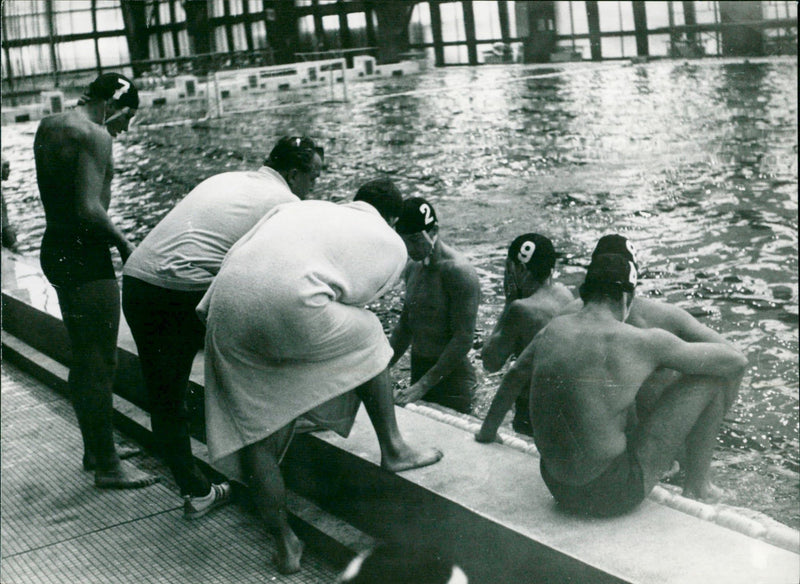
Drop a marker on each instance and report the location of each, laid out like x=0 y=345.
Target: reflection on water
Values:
x=696 y=162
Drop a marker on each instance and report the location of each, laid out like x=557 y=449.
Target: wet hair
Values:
x=609 y=276
x=112 y=86
x=382 y=194
x=294 y=152
x=535 y=252
x=418 y=215
x=617 y=244
x=395 y=564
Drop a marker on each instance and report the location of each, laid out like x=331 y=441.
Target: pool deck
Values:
x=56 y=527
x=484 y=504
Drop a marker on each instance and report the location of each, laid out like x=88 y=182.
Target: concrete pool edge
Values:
x=488 y=501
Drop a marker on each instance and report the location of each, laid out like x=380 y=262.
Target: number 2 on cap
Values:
x=526 y=251
x=425 y=209
x=124 y=85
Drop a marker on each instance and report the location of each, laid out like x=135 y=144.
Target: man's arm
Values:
x=500 y=344
x=464 y=294
x=715 y=359
x=516 y=380
x=94 y=162
x=677 y=321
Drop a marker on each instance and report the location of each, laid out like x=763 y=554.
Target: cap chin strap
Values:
x=119 y=114
x=426 y=261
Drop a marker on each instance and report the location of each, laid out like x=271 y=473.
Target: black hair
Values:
x=382 y=194
x=590 y=291
x=294 y=152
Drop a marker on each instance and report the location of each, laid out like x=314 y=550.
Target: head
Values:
x=119 y=98
x=530 y=261
x=419 y=228
x=394 y=564
x=6 y=168
x=299 y=162
x=382 y=194
x=617 y=244
x=610 y=278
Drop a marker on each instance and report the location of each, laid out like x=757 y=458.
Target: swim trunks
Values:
x=69 y=259
x=618 y=490
x=455 y=390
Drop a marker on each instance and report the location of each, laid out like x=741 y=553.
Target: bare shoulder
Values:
x=530 y=312
x=562 y=293
x=457 y=270
x=648 y=313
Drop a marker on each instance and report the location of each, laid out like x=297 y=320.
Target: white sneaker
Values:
x=196 y=507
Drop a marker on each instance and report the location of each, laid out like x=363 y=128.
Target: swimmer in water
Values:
x=532 y=300
x=439 y=313
x=74 y=167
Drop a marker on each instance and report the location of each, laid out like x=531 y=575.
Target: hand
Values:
x=406 y=395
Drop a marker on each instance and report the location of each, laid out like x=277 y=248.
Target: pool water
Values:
x=696 y=162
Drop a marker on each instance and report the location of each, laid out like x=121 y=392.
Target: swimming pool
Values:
x=696 y=162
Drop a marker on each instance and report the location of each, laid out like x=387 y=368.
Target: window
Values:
x=113 y=51
x=76 y=55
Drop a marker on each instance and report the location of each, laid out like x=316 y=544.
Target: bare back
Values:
x=585 y=378
x=73 y=159
x=521 y=321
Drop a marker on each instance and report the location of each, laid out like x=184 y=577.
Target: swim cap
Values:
x=382 y=194
x=535 y=252
x=611 y=270
x=617 y=244
x=113 y=86
x=294 y=152
x=418 y=215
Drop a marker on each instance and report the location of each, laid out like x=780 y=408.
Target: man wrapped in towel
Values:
x=287 y=332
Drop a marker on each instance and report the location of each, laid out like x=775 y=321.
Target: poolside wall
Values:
x=484 y=504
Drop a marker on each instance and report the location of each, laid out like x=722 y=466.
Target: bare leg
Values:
x=689 y=412
x=396 y=454
x=91 y=315
x=260 y=462
x=700 y=448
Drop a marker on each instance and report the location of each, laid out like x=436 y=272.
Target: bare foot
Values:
x=125 y=476
x=710 y=493
x=288 y=556
x=409 y=458
x=124 y=452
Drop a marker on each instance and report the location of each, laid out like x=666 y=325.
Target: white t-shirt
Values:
x=185 y=250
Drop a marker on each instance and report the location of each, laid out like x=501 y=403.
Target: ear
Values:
x=291 y=175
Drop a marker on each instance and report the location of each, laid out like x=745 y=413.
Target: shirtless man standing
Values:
x=585 y=371
x=439 y=313
x=532 y=299
x=74 y=167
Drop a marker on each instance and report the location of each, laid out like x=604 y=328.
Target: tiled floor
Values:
x=57 y=528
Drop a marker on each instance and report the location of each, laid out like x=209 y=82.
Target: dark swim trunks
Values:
x=454 y=391
x=618 y=490
x=69 y=259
